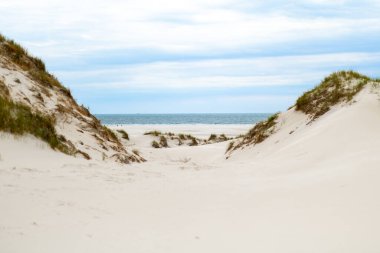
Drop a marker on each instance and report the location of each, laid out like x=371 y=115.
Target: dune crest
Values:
x=28 y=89
x=344 y=92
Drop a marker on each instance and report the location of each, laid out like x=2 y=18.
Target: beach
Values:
x=193 y=199
x=189 y=126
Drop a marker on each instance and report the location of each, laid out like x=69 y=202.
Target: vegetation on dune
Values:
x=257 y=134
x=105 y=133
x=155 y=144
x=109 y=135
x=84 y=154
x=338 y=87
x=230 y=146
x=223 y=137
x=194 y=142
x=124 y=134
x=18 y=119
x=4 y=92
x=33 y=65
x=136 y=152
x=183 y=139
x=154 y=133
x=163 y=142
x=212 y=137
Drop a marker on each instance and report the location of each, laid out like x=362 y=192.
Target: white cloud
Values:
x=72 y=34
x=225 y=73
x=181 y=26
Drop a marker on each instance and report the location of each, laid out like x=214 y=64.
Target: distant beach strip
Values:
x=174 y=119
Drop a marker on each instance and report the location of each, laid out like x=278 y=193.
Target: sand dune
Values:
x=307 y=188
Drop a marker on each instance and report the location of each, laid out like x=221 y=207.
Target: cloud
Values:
x=72 y=27
x=171 y=45
x=221 y=73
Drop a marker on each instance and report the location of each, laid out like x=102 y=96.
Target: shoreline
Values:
x=198 y=130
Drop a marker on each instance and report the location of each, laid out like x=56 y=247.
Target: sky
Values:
x=198 y=56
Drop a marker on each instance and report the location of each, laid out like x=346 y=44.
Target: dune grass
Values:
x=109 y=134
x=194 y=142
x=48 y=84
x=331 y=91
x=163 y=142
x=338 y=87
x=18 y=119
x=257 y=134
x=124 y=134
x=187 y=139
x=230 y=146
x=153 y=133
x=4 y=90
x=212 y=137
x=155 y=144
x=262 y=130
x=33 y=65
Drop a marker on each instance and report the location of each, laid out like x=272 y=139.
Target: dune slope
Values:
x=26 y=85
x=311 y=186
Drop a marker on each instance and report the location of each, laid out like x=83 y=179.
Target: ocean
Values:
x=173 y=119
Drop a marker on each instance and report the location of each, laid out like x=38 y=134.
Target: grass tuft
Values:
x=230 y=146
x=154 y=133
x=155 y=144
x=257 y=134
x=212 y=137
x=194 y=142
x=109 y=134
x=163 y=142
x=124 y=134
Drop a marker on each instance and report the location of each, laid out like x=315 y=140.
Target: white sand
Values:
x=315 y=190
x=198 y=130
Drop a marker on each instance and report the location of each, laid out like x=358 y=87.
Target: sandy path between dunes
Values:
x=185 y=199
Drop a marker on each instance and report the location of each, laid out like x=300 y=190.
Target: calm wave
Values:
x=207 y=118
